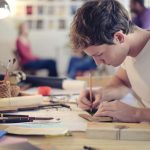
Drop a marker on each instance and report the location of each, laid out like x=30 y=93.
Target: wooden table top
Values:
x=79 y=139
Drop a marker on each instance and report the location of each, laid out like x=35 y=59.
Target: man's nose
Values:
x=98 y=61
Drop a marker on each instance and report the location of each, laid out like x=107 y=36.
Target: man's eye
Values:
x=99 y=54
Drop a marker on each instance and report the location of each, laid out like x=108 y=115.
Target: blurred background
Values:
x=48 y=22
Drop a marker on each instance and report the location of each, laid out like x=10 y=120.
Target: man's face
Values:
x=112 y=55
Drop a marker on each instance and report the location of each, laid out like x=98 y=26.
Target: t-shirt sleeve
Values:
x=123 y=65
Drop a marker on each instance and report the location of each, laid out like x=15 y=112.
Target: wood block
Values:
x=103 y=133
x=119 y=131
x=99 y=130
x=96 y=80
x=3 y=127
x=135 y=134
x=96 y=119
x=8 y=109
x=21 y=101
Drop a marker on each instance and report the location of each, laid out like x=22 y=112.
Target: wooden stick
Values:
x=90 y=85
x=7 y=71
x=12 y=67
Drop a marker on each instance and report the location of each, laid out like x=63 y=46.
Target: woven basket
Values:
x=5 y=89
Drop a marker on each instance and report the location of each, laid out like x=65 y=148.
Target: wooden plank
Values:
x=103 y=133
x=21 y=101
x=124 y=131
x=96 y=80
x=3 y=127
x=138 y=134
x=96 y=119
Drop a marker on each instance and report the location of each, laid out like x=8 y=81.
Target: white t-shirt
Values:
x=138 y=71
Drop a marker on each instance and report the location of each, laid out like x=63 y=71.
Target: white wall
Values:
x=7 y=37
x=52 y=44
x=46 y=44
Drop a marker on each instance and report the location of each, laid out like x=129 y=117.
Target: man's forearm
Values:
x=143 y=114
x=116 y=89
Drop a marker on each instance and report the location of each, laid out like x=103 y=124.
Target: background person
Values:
x=141 y=14
x=27 y=59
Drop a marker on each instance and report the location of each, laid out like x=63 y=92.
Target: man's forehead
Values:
x=95 y=47
x=92 y=50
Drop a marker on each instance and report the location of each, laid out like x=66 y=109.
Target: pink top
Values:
x=24 y=52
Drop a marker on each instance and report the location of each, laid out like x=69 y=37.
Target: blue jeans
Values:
x=82 y=64
x=48 y=64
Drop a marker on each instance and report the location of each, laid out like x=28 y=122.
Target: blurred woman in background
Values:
x=27 y=59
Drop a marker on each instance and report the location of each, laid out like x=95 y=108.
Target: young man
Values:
x=103 y=30
x=142 y=14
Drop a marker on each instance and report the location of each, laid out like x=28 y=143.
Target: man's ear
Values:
x=119 y=37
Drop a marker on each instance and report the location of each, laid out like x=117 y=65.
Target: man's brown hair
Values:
x=96 y=22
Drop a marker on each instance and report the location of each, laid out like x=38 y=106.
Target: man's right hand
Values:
x=84 y=99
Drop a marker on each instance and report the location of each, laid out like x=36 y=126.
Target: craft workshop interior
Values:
x=74 y=74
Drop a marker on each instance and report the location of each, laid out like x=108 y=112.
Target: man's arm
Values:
x=143 y=114
x=118 y=87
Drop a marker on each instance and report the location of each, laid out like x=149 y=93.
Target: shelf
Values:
x=54 y=13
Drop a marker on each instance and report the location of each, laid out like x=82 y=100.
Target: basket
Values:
x=5 y=89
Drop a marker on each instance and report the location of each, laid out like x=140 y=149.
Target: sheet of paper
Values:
x=69 y=119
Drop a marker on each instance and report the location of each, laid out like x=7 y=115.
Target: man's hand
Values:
x=118 y=111
x=98 y=96
x=84 y=99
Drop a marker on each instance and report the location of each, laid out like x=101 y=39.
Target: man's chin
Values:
x=115 y=65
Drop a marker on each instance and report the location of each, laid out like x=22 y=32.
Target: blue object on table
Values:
x=2 y=133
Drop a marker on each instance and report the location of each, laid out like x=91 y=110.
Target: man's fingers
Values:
x=108 y=106
x=104 y=113
x=84 y=107
x=96 y=102
x=85 y=101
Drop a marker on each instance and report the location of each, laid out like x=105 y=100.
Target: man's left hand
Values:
x=118 y=111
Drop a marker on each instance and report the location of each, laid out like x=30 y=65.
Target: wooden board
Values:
x=96 y=119
x=121 y=131
x=97 y=81
x=21 y=101
x=139 y=134
x=18 y=130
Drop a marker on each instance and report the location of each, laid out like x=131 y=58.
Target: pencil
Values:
x=90 y=85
